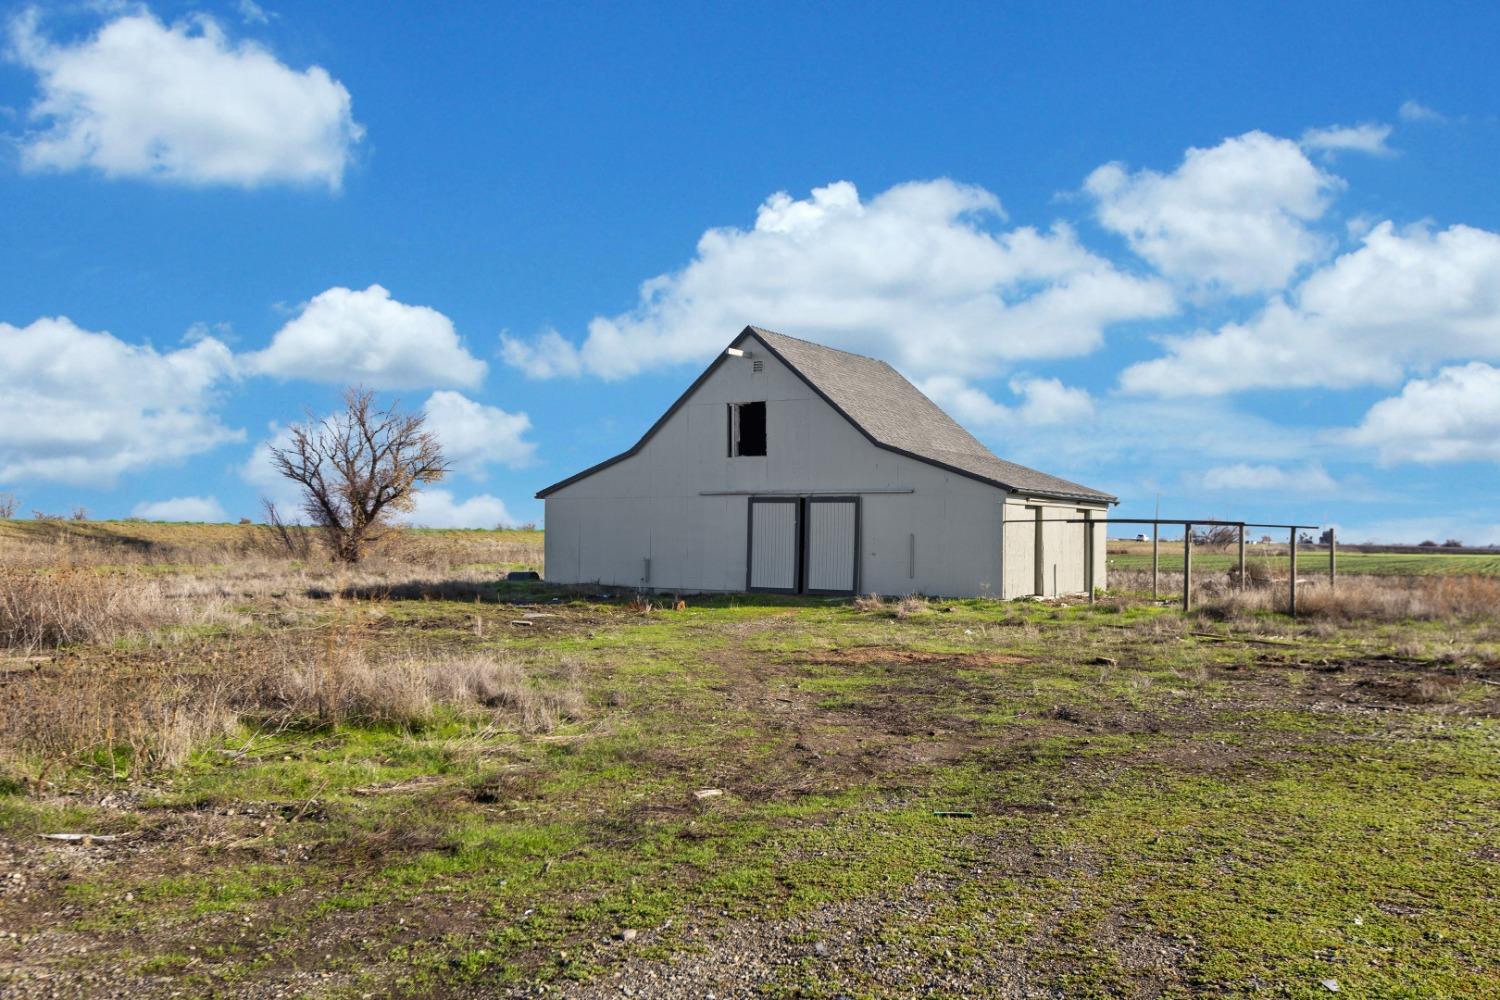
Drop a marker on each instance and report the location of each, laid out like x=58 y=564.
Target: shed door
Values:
x=773 y=544
x=832 y=545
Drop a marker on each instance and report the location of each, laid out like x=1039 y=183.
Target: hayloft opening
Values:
x=747 y=429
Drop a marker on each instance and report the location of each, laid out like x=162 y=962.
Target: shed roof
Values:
x=889 y=411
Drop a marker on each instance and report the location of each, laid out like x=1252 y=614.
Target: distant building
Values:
x=795 y=468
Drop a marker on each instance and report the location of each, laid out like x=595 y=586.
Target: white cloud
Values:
x=1414 y=111
x=916 y=275
x=260 y=472
x=85 y=407
x=1368 y=138
x=369 y=338
x=1244 y=477
x=181 y=103
x=1044 y=402
x=1452 y=417
x=475 y=436
x=253 y=13
x=1404 y=297
x=549 y=355
x=181 y=509
x=1233 y=217
x=437 y=508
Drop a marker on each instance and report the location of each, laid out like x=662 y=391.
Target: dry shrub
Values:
x=40 y=608
x=154 y=718
x=905 y=607
x=139 y=720
x=911 y=604
x=347 y=685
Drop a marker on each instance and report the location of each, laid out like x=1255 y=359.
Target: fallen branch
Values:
x=1241 y=638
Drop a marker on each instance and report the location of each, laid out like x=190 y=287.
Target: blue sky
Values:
x=1243 y=257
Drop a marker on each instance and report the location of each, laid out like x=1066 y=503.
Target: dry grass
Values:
x=1374 y=598
x=140 y=720
x=63 y=583
x=42 y=608
x=346 y=684
x=905 y=607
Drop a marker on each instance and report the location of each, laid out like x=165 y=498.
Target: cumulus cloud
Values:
x=1454 y=416
x=1368 y=138
x=475 y=436
x=181 y=509
x=1404 y=297
x=438 y=508
x=1235 y=217
x=1043 y=402
x=84 y=407
x=1245 y=477
x=919 y=274
x=182 y=103
x=369 y=338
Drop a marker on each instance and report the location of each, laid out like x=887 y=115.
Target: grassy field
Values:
x=1310 y=561
x=414 y=780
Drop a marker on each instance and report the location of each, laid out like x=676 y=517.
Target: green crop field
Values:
x=276 y=777
x=1137 y=556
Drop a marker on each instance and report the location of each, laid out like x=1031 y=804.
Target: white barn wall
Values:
x=603 y=528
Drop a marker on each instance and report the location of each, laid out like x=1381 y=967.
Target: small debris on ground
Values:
x=708 y=793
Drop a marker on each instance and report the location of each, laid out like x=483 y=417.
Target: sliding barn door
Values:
x=832 y=565
x=775 y=531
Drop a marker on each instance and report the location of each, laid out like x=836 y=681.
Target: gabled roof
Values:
x=888 y=410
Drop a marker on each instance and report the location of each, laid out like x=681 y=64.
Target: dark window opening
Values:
x=747 y=429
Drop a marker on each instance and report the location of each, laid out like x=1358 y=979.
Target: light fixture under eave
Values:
x=735 y=352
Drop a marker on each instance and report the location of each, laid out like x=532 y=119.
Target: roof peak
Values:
x=891 y=413
x=761 y=331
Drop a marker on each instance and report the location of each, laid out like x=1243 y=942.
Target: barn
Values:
x=790 y=467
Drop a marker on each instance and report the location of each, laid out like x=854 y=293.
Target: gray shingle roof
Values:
x=891 y=412
x=898 y=416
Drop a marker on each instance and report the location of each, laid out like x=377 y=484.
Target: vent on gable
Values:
x=757 y=366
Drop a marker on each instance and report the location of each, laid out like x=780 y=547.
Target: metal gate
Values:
x=832 y=565
x=775 y=533
x=803 y=545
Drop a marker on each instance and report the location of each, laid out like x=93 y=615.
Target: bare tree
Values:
x=1217 y=535
x=358 y=467
x=8 y=506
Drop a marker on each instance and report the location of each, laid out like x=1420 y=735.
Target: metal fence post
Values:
x=1088 y=552
x=1242 y=557
x=1292 y=552
x=1155 y=557
x=1333 y=560
x=1187 y=566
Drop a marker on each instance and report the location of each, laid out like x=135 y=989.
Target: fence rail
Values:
x=1187 y=551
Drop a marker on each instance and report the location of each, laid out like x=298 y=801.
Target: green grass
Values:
x=1200 y=817
x=1316 y=561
